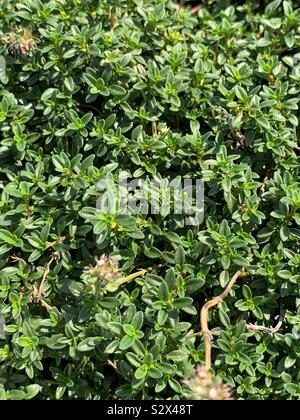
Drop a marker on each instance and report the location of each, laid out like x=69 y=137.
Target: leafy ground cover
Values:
x=97 y=304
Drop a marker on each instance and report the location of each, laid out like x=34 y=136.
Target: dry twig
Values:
x=126 y=279
x=112 y=364
x=38 y=293
x=237 y=136
x=266 y=330
x=204 y=319
x=263 y=187
x=196 y=9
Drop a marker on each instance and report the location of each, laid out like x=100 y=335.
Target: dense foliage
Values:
x=89 y=88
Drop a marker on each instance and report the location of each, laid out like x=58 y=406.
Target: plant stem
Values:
x=204 y=319
x=267 y=330
x=128 y=278
x=46 y=272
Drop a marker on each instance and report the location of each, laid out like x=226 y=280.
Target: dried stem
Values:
x=238 y=137
x=132 y=276
x=154 y=129
x=46 y=305
x=267 y=330
x=57 y=242
x=196 y=9
x=127 y=278
x=38 y=293
x=54 y=257
x=204 y=319
x=112 y=364
x=262 y=188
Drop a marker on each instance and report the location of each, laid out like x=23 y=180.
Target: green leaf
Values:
x=8 y=237
x=25 y=341
x=117 y=90
x=182 y=302
x=69 y=84
x=60 y=390
x=284 y=274
x=245 y=359
x=272 y=7
x=180 y=255
x=70 y=53
x=152 y=252
x=140 y=373
x=126 y=342
x=177 y=355
x=109 y=302
x=241 y=93
x=247 y=292
x=115 y=327
x=225 y=261
x=160 y=386
x=133 y=359
x=155 y=373
x=16 y=394
x=175 y=385
x=291 y=388
x=85 y=345
x=289 y=361
x=129 y=330
x=172 y=237
x=138 y=320
x=264 y=123
x=89 y=213
x=226 y=185
x=224 y=318
x=241 y=261
x=284 y=233
x=163 y=291
x=223 y=345
x=125 y=220
x=112 y=346
x=32 y=390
